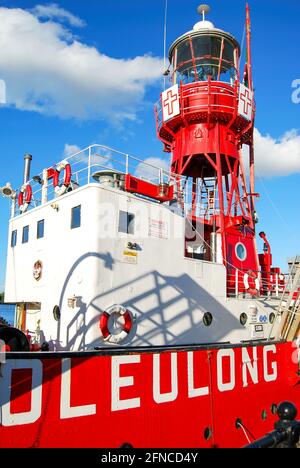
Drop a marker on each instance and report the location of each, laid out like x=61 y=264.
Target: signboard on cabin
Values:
x=170 y=103
x=245 y=102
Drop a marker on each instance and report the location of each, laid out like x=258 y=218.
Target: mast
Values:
x=250 y=86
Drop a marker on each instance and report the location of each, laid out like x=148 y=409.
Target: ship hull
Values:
x=194 y=397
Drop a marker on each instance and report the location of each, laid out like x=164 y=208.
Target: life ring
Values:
x=25 y=197
x=253 y=291
x=107 y=335
x=61 y=189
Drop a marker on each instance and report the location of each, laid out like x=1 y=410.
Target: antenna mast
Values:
x=203 y=10
x=165 y=43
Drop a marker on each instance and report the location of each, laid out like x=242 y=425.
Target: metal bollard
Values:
x=287 y=430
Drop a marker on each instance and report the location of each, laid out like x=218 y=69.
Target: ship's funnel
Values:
x=27 y=167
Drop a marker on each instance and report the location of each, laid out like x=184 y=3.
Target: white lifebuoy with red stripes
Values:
x=25 y=197
x=61 y=189
x=252 y=277
x=118 y=312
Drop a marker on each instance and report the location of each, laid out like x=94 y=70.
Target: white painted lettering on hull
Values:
x=250 y=366
x=257 y=365
x=66 y=410
x=118 y=382
x=222 y=354
x=192 y=391
x=270 y=377
x=8 y=419
x=173 y=394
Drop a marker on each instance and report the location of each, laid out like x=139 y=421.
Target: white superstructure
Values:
x=71 y=258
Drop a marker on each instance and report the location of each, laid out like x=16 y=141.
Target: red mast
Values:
x=248 y=75
x=204 y=119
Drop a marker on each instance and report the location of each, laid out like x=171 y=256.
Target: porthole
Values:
x=243 y=319
x=126 y=446
x=238 y=424
x=272 y=318
x=241 y=252
x=207 y=319
x=274 y=409
x=264 y=415
x=207 y=433
x=56 y=313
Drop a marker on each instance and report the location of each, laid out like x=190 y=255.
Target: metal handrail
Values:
x=100 y=157
x=200 y=90
x=273 y=289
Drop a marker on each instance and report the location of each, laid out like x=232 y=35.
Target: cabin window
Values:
x=76 y=217
x=126 y=222
x=41 y=229
x=14 y=238
x=25 y=237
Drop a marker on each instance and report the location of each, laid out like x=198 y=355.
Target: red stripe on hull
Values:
x=169 y=399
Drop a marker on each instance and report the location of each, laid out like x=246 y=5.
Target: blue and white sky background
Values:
x=89 y=71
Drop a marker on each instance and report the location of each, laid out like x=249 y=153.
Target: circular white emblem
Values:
x=38 y=270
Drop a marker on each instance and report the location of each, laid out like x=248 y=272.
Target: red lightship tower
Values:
x=204 y=119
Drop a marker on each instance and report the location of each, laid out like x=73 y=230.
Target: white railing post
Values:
x=276 y=285
x=161 y=176
x=89 y=168
x=236 y=283
x=127 y=164
x=45 y=187
x=13 y=206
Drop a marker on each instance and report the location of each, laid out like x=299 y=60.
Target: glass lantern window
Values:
x=204 y=56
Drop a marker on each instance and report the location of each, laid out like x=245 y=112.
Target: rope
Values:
x=245 y=432
x=243 y=43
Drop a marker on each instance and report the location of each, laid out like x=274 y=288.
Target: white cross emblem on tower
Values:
x=245 y=102
x=170 y=103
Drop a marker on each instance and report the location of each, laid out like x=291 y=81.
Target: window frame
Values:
x=245 y=252
x=14 y=238
x=73 y=224
x=25 y=229
x=223 y=59
x=39 y=223
x=130 y=223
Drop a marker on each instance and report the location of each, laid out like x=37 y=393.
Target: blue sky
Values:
x=123 y=117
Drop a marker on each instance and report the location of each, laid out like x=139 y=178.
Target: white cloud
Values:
x=47 y=70
x=54 y=11
x=69 y=150
x=150 y=168
x=276 y=157
x=100 y=158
